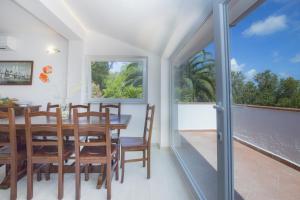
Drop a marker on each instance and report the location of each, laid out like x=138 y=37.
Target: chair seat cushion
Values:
x=98 y=151
x=127 y=142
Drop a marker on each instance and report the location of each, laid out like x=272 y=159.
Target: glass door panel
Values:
x=194 y=119
x=265 y=74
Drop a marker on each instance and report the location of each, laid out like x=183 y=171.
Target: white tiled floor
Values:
x=167 y=183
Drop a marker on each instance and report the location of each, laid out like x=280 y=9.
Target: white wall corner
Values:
x=165 y=99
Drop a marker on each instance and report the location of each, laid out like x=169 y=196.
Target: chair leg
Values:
x=148 y=164
x=99 y=181
x=122 y=164
x=39 y=175
x=7 y=170
x=29 y=180
x=118 y=150
x=61 y=180
x=86 y=172
x=117 y=169
x=144 y=158
x=108 y=179
x=78 y=182
x=47 y=174
x=101 y=177
x=13 y=179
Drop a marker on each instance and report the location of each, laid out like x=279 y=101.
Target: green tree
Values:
x=288 y=93
x=134 y=75
x=237 y=82
x=249 y=93
x=195 y=80
x=100 y=71
x=267 y=84
x=126 y=84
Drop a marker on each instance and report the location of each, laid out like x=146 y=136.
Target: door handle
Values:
x=220 y=136
x=219 y=108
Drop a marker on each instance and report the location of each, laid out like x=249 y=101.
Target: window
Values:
x=117 y=79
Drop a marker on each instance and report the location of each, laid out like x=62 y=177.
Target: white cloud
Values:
x=296 y=58
x=268 y=26
x=250 y=74
x=235 y=66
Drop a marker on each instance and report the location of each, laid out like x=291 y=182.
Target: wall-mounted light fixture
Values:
x=52 y=50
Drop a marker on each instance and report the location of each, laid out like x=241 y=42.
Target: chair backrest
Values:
x=50 y=106
x=101 y=125
x=149 y=124
x=87 y=108
x=11 y=130
x=54 y=129
x=111 y=107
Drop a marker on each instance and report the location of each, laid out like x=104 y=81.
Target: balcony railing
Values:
x=272 y=130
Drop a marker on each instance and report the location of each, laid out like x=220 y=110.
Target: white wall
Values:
x=68 y=80
x=198 y=116
x=102 y=45
x=75 y=84
x=33 y=37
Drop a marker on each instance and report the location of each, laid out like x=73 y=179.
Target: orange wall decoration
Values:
x=46 y=71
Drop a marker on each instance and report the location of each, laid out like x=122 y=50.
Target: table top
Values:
x=116 y=122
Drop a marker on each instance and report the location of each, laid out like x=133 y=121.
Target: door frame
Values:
x=223 y=99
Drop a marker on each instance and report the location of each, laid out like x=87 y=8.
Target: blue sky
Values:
x=268 y=39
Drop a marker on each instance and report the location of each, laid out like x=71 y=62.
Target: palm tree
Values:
x=196 y=78
x=134 y=75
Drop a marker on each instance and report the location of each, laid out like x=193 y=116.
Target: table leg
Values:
x=5 y=184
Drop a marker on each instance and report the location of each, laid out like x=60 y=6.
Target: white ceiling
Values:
x=148 y=24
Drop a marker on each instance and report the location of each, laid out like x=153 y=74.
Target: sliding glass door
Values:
x=252 y=136
x=200 y=108
x=265 y=61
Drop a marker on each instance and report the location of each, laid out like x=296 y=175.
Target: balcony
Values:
x=266 y=150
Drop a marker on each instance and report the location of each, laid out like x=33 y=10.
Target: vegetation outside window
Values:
x=117 y=79
x=195 y=78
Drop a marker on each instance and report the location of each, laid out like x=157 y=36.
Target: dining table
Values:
x=116 y=122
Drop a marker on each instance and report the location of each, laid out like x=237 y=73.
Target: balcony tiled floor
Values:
x=166 y=183
x=257 y=177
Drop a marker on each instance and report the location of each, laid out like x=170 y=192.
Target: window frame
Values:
x=142 y=59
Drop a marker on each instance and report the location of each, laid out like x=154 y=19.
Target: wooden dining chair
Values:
x=86 y=108
x=95 y=152
x=45 y=152
x=49 y=108
x=9 y=154
x=115 y=137
x=83 y=108
x=143 y=144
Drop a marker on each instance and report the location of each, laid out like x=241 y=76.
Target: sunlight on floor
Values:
x=166 y=183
